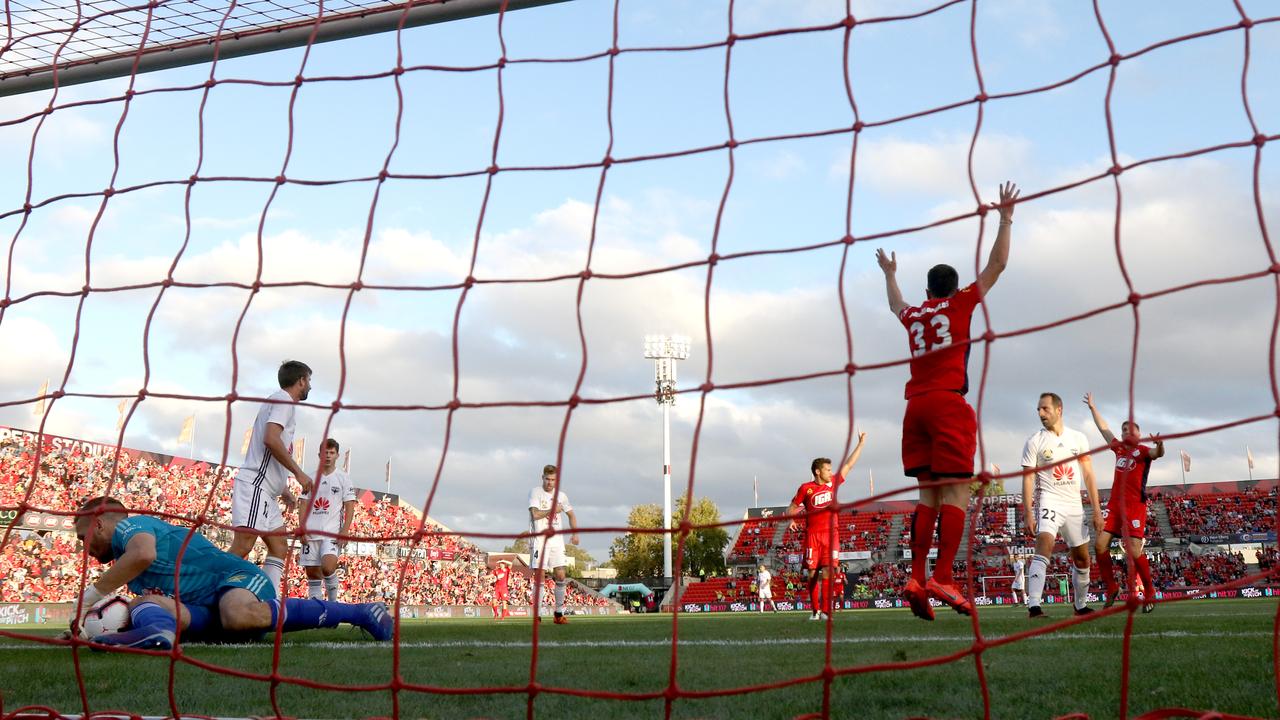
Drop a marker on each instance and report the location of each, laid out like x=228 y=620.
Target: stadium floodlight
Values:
x=665 y=350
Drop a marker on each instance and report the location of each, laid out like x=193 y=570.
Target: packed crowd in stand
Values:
x=45 y=566
x=1249 y=511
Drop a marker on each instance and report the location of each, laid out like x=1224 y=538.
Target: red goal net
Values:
x=468 y=228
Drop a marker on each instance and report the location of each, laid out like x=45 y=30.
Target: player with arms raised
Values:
x=264 y=476
x=1127 y=508
x=939 y=428
x=332 y=509
x=1054 y=461
x=817 y=499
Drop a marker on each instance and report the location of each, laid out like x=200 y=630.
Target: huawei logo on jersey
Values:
x=822 y=498
x=1063 y=473
x=320 y=505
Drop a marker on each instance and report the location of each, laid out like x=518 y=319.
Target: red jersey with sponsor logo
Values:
x=501 y=574
x=1133 y=464
x=815 y=496
x=938 y=332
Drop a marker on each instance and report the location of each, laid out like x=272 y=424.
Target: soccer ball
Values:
x=108 y=616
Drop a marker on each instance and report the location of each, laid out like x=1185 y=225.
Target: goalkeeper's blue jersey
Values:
x=204 y=569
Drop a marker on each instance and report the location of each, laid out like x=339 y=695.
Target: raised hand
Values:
x=888 y=263
x=1008 y=194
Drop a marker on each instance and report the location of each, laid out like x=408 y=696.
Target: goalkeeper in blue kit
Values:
x=207 y=593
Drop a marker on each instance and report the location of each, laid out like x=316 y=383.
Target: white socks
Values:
x=315 y=589
x=560 y=586
x=1036 y=570
x=331 y=586
x=1080 y=587
x=274 y=568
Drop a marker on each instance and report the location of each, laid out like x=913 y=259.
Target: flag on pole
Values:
x=346 y=461
x=244 y=446
x=995 y=469
x=38 y=410
x=871 y=482
x=388 y=474
x=299 y=449
x=120 y=420
x=1186 y=461
x=188 y=429
x=1248 y=455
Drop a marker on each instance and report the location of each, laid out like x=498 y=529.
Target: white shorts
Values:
x=766 y=593
x=313 y=551
x=1019 y=582
x=1067 y=523
x=552 y=549
x=253 y=507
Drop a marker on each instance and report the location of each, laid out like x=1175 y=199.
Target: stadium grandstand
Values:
x=1201 y=535
x=445 y=573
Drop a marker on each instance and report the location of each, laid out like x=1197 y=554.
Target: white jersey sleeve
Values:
x=260 y=470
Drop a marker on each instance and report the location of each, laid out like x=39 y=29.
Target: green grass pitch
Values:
x=1197 y=654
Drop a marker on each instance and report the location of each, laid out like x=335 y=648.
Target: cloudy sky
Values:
x=1203 y=355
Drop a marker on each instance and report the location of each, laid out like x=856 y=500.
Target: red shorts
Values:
x=939 y=435
x=501 y=594
x=817 y=551
x=1135 y=522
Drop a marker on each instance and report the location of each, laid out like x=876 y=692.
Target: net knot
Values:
x=492 y=170
x=469 y=282
x=1260 y=139
x=850 y=369
x=208 y=84
x=1114 y=60
x=731 y=144
x=337 y=405
x=454 y=404
x=729 y=41
x=297 y=80
x=108 y=192
x=193 y=179
x=130 y=93
x=167 y=282
x=989 y=336
x=382 y=175
x=608 y=160
x=280 y=179
x=534 y=688
x=849 y=21
x=357 y=286
x=847 y=239
x=713 y=258
x=85 y=289
x=1275 y=268
x=142 y=394
x=56 y=394
x=399 y=70
x=614 y=50
x=1115 y=170
x=502 y=62
x=574 y=400
x=256 y=286
x=858 y=126
x=828 y=673
x=1135 y=298
x=4 y=303
x=585 y=274
x=1246 y=23
x=26 y=207
x=707 y=387
x=982 y=97
x=232 y=396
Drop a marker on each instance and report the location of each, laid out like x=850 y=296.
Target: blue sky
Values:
x=1202 y=354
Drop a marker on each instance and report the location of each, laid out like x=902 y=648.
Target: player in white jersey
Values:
x=548 y=552
x=764 y=588
x=1054 y=462
x=329 y=512
x=264 y=475
x=1019 y=584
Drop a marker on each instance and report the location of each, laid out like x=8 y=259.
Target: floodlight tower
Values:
x=665 y=350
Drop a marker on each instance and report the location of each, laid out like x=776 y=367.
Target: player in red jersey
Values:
x=939 y=429
x=820 y=537
x=1127 y=508
x=501 y=593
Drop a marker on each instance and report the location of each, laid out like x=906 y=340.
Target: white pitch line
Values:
x=666 y=643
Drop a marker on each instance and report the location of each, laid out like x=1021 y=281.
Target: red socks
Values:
x=1108 y=571
x=951 y=529
x=1144 y=572
x=922 y=525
